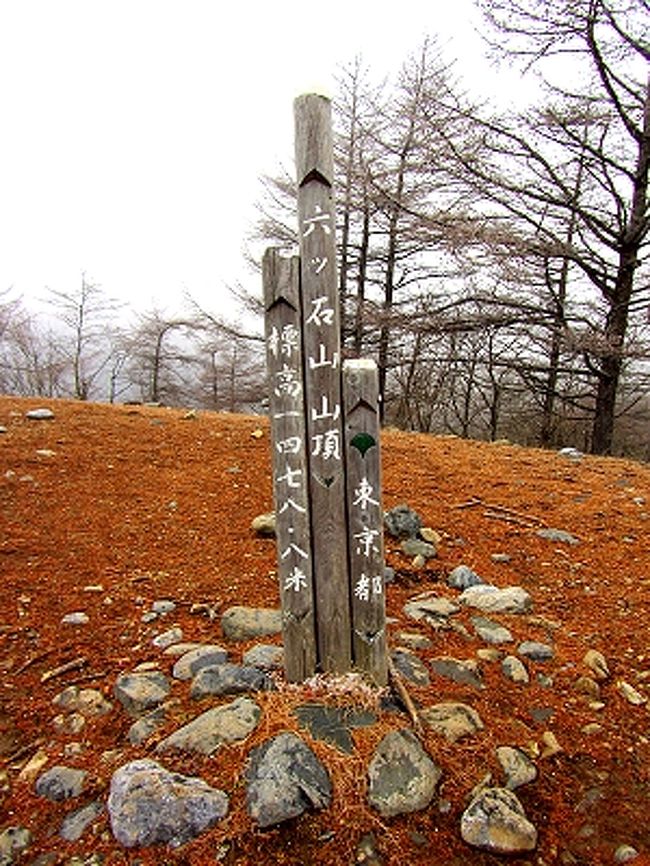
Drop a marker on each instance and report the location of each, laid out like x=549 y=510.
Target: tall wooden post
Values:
x=325 y=440
x=365 y=517
x=321 y=336
x=281 y=279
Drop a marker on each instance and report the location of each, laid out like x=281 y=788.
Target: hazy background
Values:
x=134 y=131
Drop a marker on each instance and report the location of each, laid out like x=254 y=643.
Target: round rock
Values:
x=402 y=522
x=60 y=783
x=191 y=662
x=495 y=821
x=244 y=623
x=284 y=778
x=148 y=805
x=462 y=577
x=402 y=777
x=140 y=691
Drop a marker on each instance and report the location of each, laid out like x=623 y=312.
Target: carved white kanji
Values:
x=325 y=411
x=287 y=382
x=291 y=503
x=291 y=476
x=319 y=220
x=323 y=360
x=362 y=588
x=293 y=548
x=296 y=580
x=363 y=495
x=290 y=445
x=327 y=445
x=366 y=541
x=321 y=314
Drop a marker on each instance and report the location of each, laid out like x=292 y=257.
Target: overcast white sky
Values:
x=134 y=131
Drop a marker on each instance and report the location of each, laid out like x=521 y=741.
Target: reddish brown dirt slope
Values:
x=147 y=504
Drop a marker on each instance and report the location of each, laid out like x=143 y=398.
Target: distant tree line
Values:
x=493 y=261
x=89 y=347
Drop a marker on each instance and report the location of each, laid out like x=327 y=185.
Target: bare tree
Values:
x=576 y=172
x=86 y=317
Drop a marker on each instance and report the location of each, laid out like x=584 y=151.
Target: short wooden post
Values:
x=321 y=336
x=365 y=517
x=290 y=470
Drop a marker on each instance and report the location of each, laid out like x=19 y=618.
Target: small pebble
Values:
x=625 y=854
x=78 y=617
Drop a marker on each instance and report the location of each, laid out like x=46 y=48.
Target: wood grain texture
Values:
x=365 y=518
x=321 y=341
x=281 y=278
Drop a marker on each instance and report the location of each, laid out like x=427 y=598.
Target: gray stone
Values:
x=464 y=672
x=495 y=821
x=559 y=536
x=417 y=548
x=517 y=766
x=430 y=608
x=402 y=522
x=630 y=694
x=453 y=720
x=148 y=805
x=402 y=777
x=191 y=662
x=39 y=415
x=625 y=854
x=168 y=638
x=264 y=525
x=571 y=453
x=535 y=651
x=413 y=640
x=597 y=664
x=87 y=702
x=140 y=691
x=229 y=679
x=489 y=654
x=74 y=825
x=179 y=649
x=146 y=726
x=333 y=725
x=162 y=606
x=60 y=783
x=205 y=734
x=491 y=632
x=411 y=667
x=244 y=623
x=13 y=841
x=284 y=778
x=265 y=656
x=500 y=557
x=491 y=599
x=72 y=723
x=77 y=617
x=462 y=577
x=515 y=670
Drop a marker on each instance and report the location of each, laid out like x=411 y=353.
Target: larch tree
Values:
x=573 y=175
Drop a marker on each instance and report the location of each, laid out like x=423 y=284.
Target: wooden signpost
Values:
x=325 y=439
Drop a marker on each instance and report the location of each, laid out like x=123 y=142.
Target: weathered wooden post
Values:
x=326 y=464
x=281 y=279
x=365 y=516
x=321 y=335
